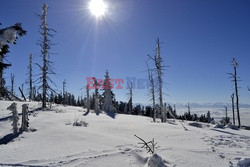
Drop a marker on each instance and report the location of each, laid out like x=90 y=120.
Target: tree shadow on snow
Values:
x=172 y=122
x=224 y=132
x=110 y=114
x=21 y=165
x=8 y=138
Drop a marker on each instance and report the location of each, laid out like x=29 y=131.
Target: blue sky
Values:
x=199 y=40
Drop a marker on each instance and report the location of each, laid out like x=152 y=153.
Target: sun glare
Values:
x=97 y=7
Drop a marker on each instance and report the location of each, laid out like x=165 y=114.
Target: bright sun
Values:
x=97 y=7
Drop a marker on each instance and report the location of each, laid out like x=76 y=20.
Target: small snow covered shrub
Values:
x=218 y=125
x=15 y=117
x=154 y=160
x=80 y=123
x=59 y=111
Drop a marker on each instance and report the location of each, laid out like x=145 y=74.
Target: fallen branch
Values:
x=22 y=93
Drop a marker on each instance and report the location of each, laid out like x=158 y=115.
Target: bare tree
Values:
x=227 y=119
x=152 y=90
x=159 y=68
x=232 y=96
x=235 y=80
x=88 y=100
x=226 y=111
x=30 y=79
x=188 y=107
x=46 y=67
x=64 y=93
x=12 y=80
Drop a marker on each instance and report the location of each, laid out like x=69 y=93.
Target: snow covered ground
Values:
x=111 y=142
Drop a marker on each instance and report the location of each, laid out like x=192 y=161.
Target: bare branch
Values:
x=149 y=146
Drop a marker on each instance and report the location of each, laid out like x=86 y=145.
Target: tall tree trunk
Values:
x=233 y=108
x=236 y=91
x=64 y=97
x=88 y=100
x=159 y=71
x=226 y=115
x=30 y=79
x=153 y=98
x=130 y=98
x=12 y=77
x=152 y=91
x=45 y=53
x=1 y=76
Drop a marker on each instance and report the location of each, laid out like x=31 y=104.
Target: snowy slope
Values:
x=111 y=142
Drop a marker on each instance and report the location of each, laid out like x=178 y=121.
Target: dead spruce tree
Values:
x=12 y=80
x=30 y=78
x=25 y=120
x=152 y=90
x=88 y=99
x=232 y=96
x=46 y=68
x=64 y=93
x=157 y=59
x=7 y=36
x=235 y=80
x=226 y=118
x=15 y=117
x=159 y=67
